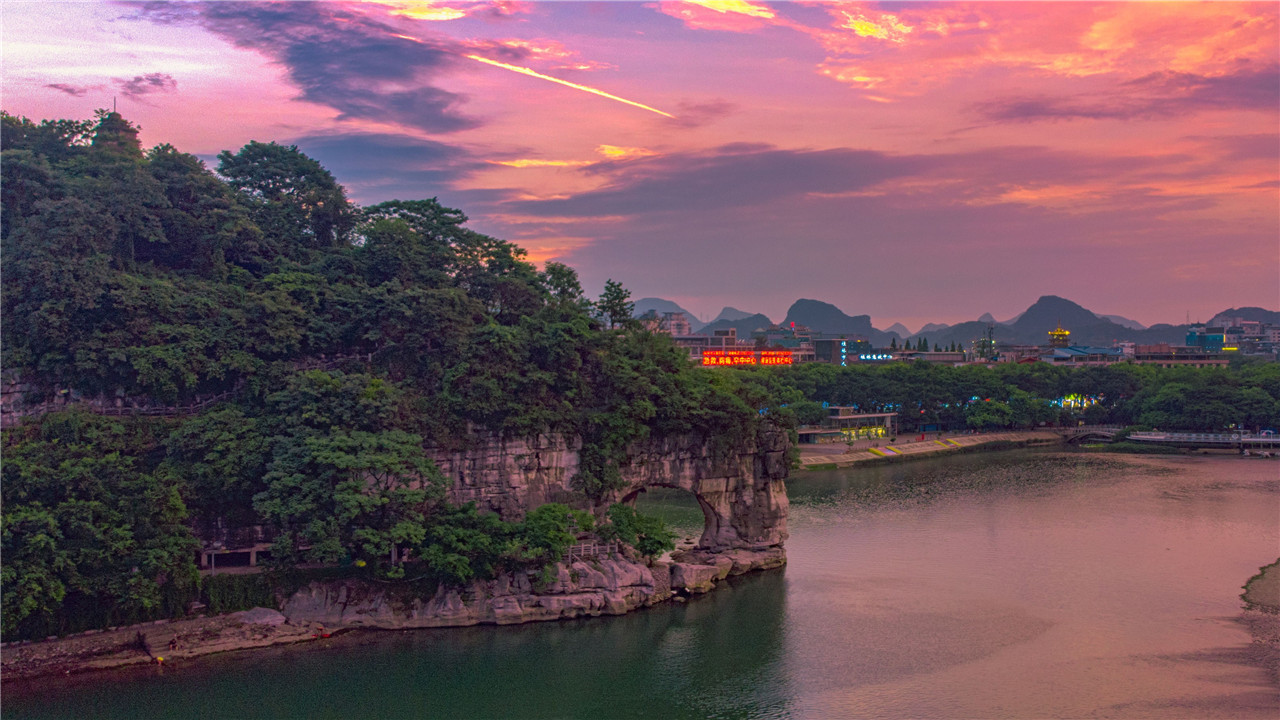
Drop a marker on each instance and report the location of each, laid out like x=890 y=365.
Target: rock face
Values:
x=742 y=493
x=601 y=586
x=610 y=585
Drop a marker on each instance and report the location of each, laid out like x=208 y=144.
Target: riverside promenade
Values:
x=839 y=455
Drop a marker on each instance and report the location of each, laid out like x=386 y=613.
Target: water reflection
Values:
x=716 y=656
x=1013 y=585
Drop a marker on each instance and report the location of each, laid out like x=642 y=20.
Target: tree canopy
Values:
x=321 y=347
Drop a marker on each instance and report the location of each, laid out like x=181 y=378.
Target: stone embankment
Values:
x=839 y=455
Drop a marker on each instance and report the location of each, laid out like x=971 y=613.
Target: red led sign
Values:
x=775 y=357
x=746 y=357
x=728 y=357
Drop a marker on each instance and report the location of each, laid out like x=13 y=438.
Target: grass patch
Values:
x=1139 y=448
x=821 y=466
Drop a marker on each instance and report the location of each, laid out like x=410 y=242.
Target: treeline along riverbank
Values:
x=198 y=359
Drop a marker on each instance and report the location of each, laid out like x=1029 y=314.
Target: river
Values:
x=1023 y=584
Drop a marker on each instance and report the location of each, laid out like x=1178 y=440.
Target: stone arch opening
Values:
x=710 y=519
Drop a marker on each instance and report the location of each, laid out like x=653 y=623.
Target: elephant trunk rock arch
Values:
x=742 y=493
x=742 y=489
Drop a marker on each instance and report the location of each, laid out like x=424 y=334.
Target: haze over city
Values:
x=918 y=162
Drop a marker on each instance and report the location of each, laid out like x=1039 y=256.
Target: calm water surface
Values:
x=1012 y=585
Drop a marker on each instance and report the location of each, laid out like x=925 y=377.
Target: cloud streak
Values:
x=566 y=83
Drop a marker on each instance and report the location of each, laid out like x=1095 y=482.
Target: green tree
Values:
x=615 y=306
x=87 y=525
x=292 y=198
x=647 y=534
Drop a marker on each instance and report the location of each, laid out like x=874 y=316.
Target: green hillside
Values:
x=278 y=355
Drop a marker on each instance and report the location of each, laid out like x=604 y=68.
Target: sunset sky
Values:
x=917 y=162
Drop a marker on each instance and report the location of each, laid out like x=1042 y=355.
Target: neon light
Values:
x=776 y=357
x=728 y=357
x=747 y=357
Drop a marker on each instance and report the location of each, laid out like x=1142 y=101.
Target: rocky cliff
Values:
x=742 y=492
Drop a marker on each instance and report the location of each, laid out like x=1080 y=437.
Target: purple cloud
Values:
x=724 y=177
x=1158 y=95
x=378 y=167
x=141 y=85
x=692 y=115
x=344 y=60
x=75 y=90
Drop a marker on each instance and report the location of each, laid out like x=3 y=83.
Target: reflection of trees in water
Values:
x=719 y=654
x=926 y=481
x=677 y=508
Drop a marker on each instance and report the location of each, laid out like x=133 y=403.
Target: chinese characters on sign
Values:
x=746 y=357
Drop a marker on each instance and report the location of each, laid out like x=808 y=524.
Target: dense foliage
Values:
x=1246 y=394
x=319 y=347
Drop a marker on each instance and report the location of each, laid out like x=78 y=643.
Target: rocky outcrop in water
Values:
x=741 y=490
x=602 y=586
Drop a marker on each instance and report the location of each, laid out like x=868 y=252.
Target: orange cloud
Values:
x=730 y=15
x=1122 y=41
x=617 y=152
x=528 y=163
x=882 y=26
x=740 y=7
x=430 y=10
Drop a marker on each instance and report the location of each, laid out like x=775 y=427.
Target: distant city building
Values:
x=671 y=323
x=1166 y=355
x=1009 y=353
x=1059 y=338
x=1079 y=355
x=846 y=424
x=1212 y=339
x=676 y=323
x=1207 y=346
x=937 y=358
x=720 y=340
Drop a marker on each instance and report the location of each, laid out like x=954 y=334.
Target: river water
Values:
x=1006 y=585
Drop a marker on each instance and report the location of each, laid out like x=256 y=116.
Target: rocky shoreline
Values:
x=611 y=585
x=1261 y=617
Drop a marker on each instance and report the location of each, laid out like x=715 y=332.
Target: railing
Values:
x=1211 y=438
x=583 y=551
x=1079 y=430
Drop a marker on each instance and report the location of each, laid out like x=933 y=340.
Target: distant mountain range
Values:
x=1029 y=327
x=1252 y=314
x=1124 y=321
x=744 y=325
x=660 y=306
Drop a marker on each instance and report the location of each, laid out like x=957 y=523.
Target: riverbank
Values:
x=840 y=455
x=1262 y=617
x=586 y=588
x=164 y=642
